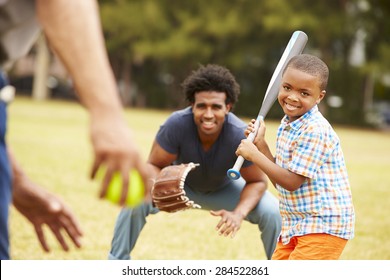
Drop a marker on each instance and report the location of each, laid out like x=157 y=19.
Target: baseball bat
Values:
x=294 y=47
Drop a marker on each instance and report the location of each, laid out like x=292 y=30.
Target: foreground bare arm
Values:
x=73 y=30
x=43 y=208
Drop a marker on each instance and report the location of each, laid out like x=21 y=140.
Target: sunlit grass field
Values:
x=50 y=139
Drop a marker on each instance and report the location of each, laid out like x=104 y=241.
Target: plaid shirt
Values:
x=309 y=147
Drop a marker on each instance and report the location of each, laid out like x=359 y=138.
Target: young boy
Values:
x=308 y=170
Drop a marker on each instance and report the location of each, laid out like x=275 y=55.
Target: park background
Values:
x=153 y=46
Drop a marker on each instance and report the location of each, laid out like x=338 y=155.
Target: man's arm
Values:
x=41 y=207
x=256 y=185
x=159 y=158
x=73 y=30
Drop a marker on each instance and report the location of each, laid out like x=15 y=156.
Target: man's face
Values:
x=209 y=111
x=299 y=92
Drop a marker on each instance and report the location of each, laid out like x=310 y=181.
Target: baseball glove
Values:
x=168 y=189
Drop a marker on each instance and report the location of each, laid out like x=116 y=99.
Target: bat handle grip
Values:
x=234 y=172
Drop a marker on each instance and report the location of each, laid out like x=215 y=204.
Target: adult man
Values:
x=207 y=133
x=73 y=30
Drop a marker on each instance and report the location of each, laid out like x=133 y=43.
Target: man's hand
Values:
x=229 y=224
x=41 y=207
x=115 y=150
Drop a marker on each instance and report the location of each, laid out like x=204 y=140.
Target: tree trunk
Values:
x=368 y=93
x=40 y=90
x=125 y=85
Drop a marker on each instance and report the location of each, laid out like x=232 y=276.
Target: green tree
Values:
x=155 y=44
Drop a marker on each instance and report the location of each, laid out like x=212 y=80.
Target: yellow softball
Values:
x=135 y=194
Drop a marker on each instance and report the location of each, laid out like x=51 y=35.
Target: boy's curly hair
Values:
x=211 y=77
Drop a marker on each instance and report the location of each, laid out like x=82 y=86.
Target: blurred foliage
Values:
x=154 y=44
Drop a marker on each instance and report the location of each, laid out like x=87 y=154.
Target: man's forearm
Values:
x=18 y=174
x=250 y=197
x=78 y=41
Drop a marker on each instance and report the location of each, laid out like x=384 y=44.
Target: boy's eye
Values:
x=287 y=88
x=304 y=93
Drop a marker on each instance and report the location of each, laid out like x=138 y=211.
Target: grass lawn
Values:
x=50 y=139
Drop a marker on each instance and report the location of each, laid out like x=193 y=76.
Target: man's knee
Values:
x=266 y=217
x=141 y=211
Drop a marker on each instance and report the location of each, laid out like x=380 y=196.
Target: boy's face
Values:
x=299 y=92
x=209 y=111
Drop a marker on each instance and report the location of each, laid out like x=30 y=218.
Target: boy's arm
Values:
x=259 y=153
x=259 y=140
x=278 y=175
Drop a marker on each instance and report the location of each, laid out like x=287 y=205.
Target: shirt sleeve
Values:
x=167 y=136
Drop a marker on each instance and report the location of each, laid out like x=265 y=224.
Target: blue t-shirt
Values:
x=179 y=135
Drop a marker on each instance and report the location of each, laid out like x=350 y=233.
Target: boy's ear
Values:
x=322 y=95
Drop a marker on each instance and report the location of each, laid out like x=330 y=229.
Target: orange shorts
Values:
x=316 y=246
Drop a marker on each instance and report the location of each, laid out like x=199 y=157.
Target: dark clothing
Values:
x=5 y=179
x=178 y=135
